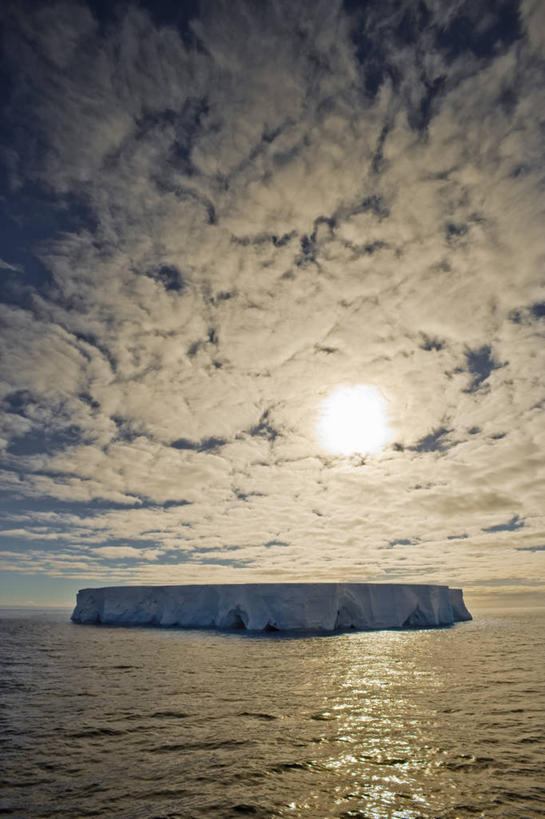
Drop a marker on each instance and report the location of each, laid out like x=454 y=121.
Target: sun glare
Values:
x=353 y=420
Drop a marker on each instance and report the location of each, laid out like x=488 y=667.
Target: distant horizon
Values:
x=475 y=601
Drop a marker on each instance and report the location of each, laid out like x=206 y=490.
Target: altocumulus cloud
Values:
x=215 y=216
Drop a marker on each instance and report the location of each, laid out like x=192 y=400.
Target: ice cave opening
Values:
x=235 y=620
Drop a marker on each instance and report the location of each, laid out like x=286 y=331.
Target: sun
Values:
x=354 y=420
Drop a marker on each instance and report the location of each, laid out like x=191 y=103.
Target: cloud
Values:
x=120 y=552
x=243 y=215
x=8 y=266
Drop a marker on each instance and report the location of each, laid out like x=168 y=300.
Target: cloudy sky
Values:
x=215 y=214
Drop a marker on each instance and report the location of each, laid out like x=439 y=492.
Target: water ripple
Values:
x=425 y=725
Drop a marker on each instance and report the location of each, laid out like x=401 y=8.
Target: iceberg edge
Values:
x=262 y=607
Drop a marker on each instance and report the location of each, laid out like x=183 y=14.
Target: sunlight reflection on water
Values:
x=443 y=723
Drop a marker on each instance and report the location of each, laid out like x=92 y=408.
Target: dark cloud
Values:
x=535 y=312
x=211 y=444
x=483 y=32
x=455 y=233
x=40 y=441
x=274 y=543
x=169 y=277
x=511 y=526
x=538 y=310
x=265 y=429
x=431 y=344
x=403 y=542
x=480 y=363
x=530 y=548
x=436 y=441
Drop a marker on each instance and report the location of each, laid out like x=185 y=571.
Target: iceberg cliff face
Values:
x=275 y=606
x=459 y=609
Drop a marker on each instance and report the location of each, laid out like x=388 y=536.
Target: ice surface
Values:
x=275 y=606
x=459 y=609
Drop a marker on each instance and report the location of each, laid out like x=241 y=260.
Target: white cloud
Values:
x=318 y=239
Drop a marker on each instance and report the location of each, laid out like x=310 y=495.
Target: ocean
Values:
x=142 y=722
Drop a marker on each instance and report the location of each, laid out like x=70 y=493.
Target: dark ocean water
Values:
x=101 y=721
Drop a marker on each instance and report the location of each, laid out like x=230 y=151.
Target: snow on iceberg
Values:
x=275 y=606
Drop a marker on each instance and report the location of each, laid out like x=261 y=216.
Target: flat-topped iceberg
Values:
x=275 y=606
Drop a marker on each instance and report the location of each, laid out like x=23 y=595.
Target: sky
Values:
x=213 y=216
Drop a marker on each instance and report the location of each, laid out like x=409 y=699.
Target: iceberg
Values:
x=317 y=607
